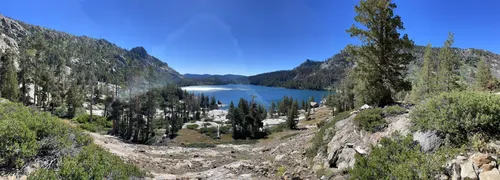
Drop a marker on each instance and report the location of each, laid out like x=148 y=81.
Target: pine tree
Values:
x=425 y=85
x=272 y=109
x=26 y=73
x=74 y=100
x=116 y=115
x=382 y=58
x=293 y=113
x=9 y=86
x=448 y=74
x=483 y=77
x=213 y=103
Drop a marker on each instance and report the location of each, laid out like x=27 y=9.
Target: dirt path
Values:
x=282 y=153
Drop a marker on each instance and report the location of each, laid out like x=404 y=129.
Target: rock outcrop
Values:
x=428 y=140
x=347 y=141
x=473 y=166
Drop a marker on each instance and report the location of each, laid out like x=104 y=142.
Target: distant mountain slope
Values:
x=308 y=75
x=112 y=63
x=217 y=79
x=322 y=75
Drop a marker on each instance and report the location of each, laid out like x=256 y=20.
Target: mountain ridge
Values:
x=78 y=50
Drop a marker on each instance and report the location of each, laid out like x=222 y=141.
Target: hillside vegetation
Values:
x=31 y=138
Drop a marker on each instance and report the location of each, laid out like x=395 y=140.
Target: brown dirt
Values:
x=225 y=161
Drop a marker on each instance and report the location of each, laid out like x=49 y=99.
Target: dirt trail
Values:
x=255 y=161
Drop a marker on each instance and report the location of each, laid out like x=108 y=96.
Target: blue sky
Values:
x=251 y=36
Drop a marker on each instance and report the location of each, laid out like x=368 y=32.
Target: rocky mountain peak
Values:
x=140 y=51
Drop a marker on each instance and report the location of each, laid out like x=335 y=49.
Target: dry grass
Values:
x=319 y=115
x=188 y=136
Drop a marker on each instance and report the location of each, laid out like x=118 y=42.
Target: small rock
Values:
x=494 y=174
x=428 y=140
x=366 y=106
x=489 y=166
x=467 y=171
x=463 y=158
x=360 y=150
x=266 y=149
x=442 y=177
x=455 y=172
x=480 y=158
x=279 y=157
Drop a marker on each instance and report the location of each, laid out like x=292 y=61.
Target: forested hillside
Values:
x=308 y=75
x=40 y=50
x=208 y=79
x=323 y=75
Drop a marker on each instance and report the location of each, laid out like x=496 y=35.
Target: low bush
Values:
x=97 y=124
x=43 y=174
x=17 y=143
x=370 y=120
x=26 y=134
x=278 y=128
x=459 y=115
x=280 y=171
x=103 y=165
x=400 y=158
x=192 y=126
x=394 y=110
x=225 y=129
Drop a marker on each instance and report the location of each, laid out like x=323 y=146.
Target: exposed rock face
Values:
x=467 y=171
x=477 y=166
x=494 y=174
x=428 y=140
x=348 y=141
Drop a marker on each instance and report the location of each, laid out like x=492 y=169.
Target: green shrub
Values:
x=318 y=141
x=370 y=120
x=279 y=128
x=98 y=120
x=95 y=163
x=394 y=110
x=192 y=126
x=27 y=133
x=98 y=123
x=43 y=174
x=90 y=127
x=205 y=130
x=61 y=111
x=280 y=171
x=225 y=129
x=459 y=115
x=207 y=124
x=341 y=116
x=17 y=143
x=400 y=158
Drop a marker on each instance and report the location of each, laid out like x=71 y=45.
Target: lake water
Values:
x=264 y=95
